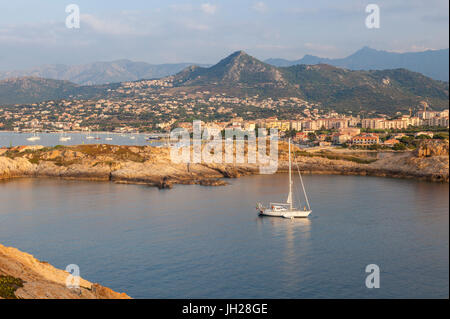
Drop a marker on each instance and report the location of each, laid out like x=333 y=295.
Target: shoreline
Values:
x=152 y=166
x=22 y=276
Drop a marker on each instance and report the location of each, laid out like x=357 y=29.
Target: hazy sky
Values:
x=156 y=31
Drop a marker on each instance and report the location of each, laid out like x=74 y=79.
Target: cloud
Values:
x=208 y=8
x=109 y=27
x=44 y=34
x=414 y=48
x=260 y=7
x=436 y=18
x=181 y=7
x=197 y=26
x=204 y=30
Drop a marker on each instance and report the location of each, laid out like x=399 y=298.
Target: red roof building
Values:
x=365 y=139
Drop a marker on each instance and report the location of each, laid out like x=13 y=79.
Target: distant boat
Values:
x=33 y=138
x=286 y=210
x=89 y=136
x=64 y=138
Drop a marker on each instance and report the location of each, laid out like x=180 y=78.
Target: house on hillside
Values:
x=365 y=139
x=391 y=142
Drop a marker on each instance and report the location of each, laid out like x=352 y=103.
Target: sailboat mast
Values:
x=304 y=191
x=290 y=176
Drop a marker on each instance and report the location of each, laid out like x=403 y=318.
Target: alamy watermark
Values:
x=73 y=19
x=73 y=279
x=207 y=146
x=373 y=19
x=373 y=279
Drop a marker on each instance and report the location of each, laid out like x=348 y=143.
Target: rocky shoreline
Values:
x=152 y=165
x=24 y=277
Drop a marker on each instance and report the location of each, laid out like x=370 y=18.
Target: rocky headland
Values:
x=153 y=166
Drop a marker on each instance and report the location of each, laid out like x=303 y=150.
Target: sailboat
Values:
x=89 y=136
x=33 y=138
x=286 y=210
x=64 y=138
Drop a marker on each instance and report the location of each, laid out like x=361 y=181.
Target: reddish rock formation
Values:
x=429 y=148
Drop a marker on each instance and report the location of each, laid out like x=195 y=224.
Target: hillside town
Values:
x=305 y=122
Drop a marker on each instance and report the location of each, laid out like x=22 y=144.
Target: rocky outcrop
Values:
x=16 y=167
x=429 y=148
x=153 y=166
x=429 y=162
x=26 y=277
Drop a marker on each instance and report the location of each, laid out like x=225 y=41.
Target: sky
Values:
x=34 y=33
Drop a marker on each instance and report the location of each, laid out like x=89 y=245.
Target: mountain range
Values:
x=432 y=63
x=383 y=90
x=99 y=72
x=27 y=90
x=242 y=75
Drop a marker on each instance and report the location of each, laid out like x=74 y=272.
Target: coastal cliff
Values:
x=23 y=276
x=153 y=166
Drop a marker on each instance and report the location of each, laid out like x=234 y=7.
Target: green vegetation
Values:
x=30 y=90
x=441 y=136
x=334 y=156
x=399 y=147
x=119 y=152
x=8 y=286
x=386 y=91
x=312 y=136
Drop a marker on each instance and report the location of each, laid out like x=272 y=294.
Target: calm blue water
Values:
x=52 y=139
x=208 y=242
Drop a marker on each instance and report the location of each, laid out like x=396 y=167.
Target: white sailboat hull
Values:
x=286 y=213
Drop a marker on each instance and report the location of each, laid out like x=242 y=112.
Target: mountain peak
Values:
x=239 y=53
x=238 y=68
x=236 y=56
x=366 y=50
